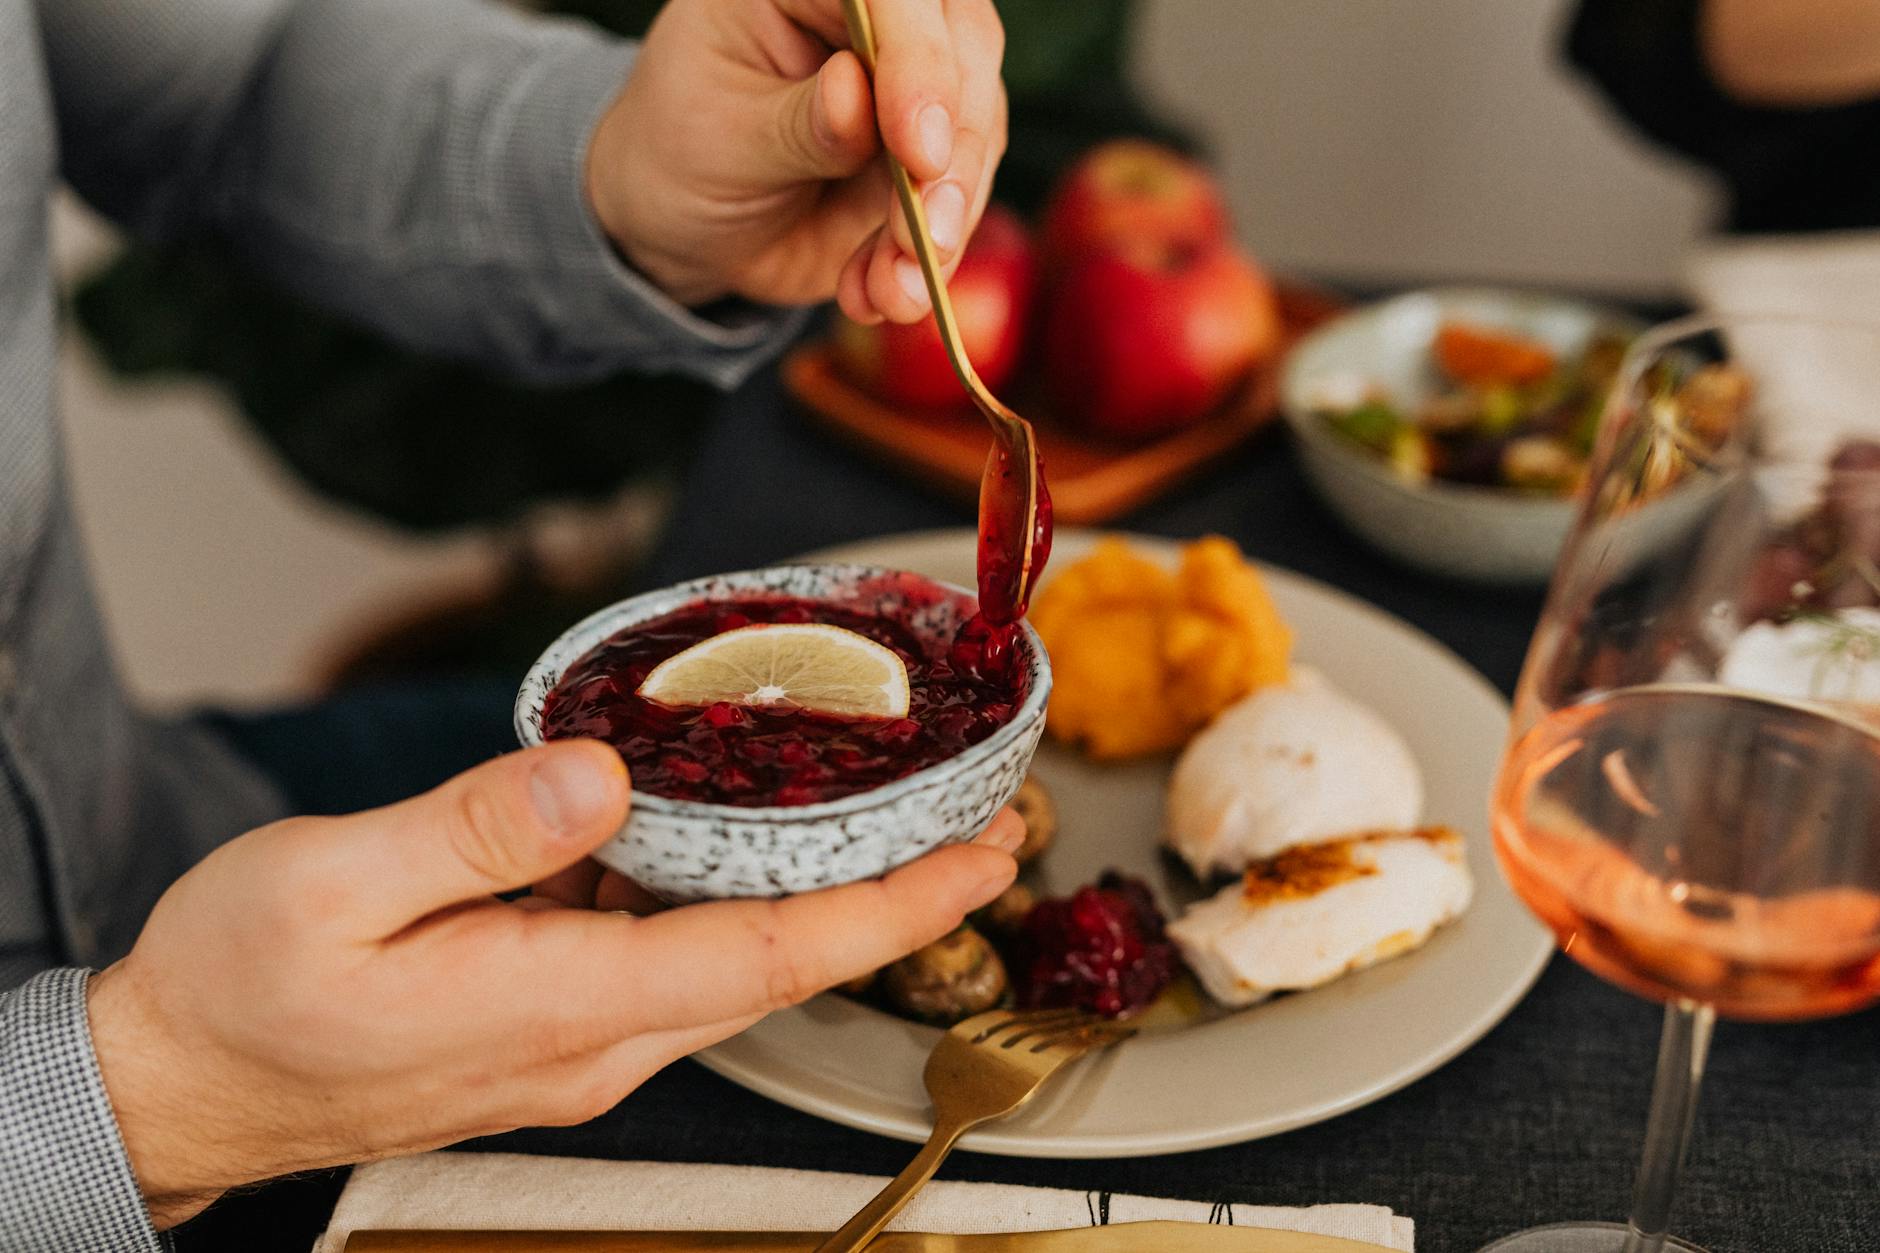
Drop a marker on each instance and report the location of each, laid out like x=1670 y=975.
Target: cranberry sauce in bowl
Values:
x=960 y=692
x=712 y=819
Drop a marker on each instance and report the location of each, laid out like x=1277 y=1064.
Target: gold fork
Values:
x=983 y=1069
x=1009 y=489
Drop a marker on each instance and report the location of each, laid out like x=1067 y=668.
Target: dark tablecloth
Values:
x=1539 y=1122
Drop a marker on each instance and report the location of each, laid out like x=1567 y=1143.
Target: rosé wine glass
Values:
x=1691 y=794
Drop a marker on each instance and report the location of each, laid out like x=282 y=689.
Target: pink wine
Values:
x=1690 y=842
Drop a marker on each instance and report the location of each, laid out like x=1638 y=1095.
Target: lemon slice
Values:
x=809 y=665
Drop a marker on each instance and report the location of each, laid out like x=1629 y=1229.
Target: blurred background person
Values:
x=1781 y=103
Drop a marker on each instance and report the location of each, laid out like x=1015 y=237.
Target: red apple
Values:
x=1132 y=192
x=991 y=291
x=1146 y=341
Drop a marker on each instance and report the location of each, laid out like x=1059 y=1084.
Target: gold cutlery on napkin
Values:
x=983 y=1069
x=1148 y=1237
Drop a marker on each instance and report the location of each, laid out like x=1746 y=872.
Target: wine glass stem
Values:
x=1681 y=1053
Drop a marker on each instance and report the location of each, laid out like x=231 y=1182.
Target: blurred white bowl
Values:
x=1486 y=534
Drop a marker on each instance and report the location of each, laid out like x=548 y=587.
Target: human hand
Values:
x=328 y=990
x=589 y=885
x=743 y=156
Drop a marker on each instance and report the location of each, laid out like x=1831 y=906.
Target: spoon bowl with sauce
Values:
x=1014 y=502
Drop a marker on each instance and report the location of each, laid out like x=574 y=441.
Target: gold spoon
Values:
x=1008 y=507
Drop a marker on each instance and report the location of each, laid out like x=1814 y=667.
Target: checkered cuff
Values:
x=65 y=1179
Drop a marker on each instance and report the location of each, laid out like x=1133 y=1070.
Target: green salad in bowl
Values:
x=1502 y=410
x=1451 y=427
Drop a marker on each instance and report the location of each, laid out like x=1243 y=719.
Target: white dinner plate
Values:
x=1286 y=1063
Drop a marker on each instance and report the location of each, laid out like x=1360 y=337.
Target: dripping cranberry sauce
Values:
x=1004 y=584
x=960 y=692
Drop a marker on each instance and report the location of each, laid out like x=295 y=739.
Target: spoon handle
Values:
x=1014 y=442
x=862 y=35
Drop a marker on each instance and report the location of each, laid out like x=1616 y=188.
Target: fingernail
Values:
x=1006 y=837
x=573 y=791
x=946 y=215
x=819 y=117
x=936 y=135
x=907 y=274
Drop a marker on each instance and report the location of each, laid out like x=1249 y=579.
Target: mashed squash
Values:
x=1144 y=658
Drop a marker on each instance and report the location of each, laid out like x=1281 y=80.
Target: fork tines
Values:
x=1086 y=1039
x=1043 y=1029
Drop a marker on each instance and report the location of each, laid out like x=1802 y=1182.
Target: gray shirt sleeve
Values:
x=65 y=1179
x=415 y=165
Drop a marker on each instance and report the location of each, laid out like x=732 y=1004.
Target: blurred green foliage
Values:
x=428 y=443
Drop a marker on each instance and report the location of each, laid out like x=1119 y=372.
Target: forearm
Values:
x=1794 y=53
x=66 y=1184
x=415 y=165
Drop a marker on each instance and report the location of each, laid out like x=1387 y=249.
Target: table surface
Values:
x=1540 y=1122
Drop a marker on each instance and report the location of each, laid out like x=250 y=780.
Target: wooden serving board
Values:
x=1093 y=480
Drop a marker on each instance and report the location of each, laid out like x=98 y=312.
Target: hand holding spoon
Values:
x=1014 y=504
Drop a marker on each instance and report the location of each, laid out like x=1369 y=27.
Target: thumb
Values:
x=501 y=826
x=825 y=125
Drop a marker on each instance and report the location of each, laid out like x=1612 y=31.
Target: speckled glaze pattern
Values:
x=691 y=851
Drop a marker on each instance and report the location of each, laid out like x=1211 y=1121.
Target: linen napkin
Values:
x=518 y=1192
x=1834 y=274
x=1814 y=391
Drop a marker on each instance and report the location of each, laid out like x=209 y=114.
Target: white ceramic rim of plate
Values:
x=576 y=642
x=732 y=1059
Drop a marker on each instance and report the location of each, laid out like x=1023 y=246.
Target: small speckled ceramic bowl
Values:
x=691 y=851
